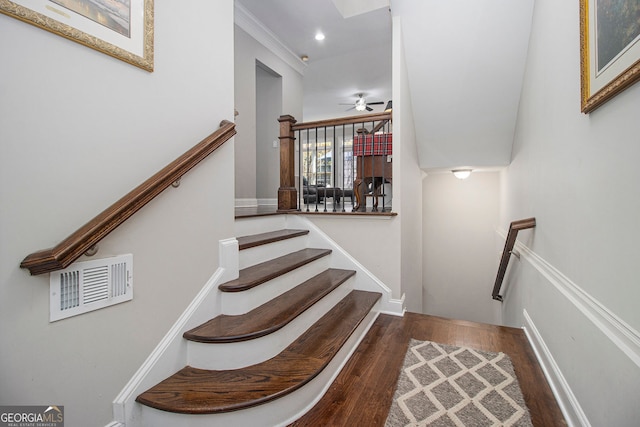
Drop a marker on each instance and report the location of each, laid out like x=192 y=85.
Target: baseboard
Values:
x=246 y=203
x=267 y=202
x=589 y=314
x=161 y=361
x=252 y=203
x=395 y=307
x=571 y=409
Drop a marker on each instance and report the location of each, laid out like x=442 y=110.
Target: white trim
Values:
x=395 y=307
x=246 y=203
x=573 y=413
x=617 y=330
x=267 y=202
x=340 y=217
x=369 y=280
x=252 y=203
x=171 y=348
x=124 y=404
x=249 y=23
x=338 y=362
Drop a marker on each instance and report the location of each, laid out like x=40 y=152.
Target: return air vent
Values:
x=89 y=285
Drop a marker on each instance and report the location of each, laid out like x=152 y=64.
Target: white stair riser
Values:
x=242 y=302
x=257 y=225
x=241 y=354
x=279 y=412
x=365 y=280
x=262 y=253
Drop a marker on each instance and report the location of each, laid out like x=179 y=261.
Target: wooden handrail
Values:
x=364 y=118
x=87 y=236
x=514 y=227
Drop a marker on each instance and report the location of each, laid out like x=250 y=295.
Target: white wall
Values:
x=578 y=175
x=268 y=109
x=373 y=242
x=460 y=256
x=79 y=129
x=407 y=178
x=247 y=51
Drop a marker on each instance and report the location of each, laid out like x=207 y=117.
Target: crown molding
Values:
x=249 y=23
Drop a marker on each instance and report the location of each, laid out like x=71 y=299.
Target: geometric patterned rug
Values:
x=444 y=385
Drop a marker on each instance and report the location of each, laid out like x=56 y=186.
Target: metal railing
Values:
x=345 y=160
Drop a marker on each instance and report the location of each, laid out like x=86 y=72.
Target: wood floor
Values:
x=361 y=395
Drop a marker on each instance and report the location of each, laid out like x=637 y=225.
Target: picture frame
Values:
x=609 y=50
x=122 y=29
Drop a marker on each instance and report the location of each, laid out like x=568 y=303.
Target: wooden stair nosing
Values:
x=271 y=316
x=246 y=242
x=258 y=274
x=199 y=391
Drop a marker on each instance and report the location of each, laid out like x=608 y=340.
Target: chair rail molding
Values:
x=623 y=335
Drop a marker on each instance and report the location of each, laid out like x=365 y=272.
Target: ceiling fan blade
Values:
x=369 y=108
x=375 y=103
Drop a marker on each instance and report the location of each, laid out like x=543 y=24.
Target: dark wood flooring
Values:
x=361 y=395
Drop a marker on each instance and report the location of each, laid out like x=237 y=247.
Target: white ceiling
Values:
x=465 y=61
x=355 y=56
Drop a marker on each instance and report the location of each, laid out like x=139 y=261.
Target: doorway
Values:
x=268 y=110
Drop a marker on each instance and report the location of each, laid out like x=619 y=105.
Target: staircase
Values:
x=285 y=327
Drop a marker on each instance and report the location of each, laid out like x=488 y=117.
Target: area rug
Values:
x=443 y=385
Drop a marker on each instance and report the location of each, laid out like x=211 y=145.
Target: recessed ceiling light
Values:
x=319 y=36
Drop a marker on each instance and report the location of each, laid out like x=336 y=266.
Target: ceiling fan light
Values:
x=361 y=104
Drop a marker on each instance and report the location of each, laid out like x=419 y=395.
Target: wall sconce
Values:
x=388 y=108
x=461 y=173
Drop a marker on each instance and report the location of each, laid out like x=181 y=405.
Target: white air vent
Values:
x=90 y=285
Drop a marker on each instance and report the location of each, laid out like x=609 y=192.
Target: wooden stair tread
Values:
x=272 y=315
x=255 y=275
x=199 y=391
x=246 y=242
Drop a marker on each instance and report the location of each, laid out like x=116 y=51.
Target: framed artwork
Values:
x=610 y=49
x=120 y=28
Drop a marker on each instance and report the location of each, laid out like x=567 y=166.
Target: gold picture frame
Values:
x=129 y=39
x=609 y=63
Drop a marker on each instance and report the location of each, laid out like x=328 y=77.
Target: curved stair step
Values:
x=199 y=391
x=246 y=242
x=271 y=316
x=255 y=275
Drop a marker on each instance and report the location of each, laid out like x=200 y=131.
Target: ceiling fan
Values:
x=361 y=104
